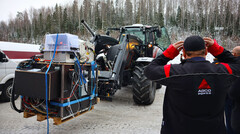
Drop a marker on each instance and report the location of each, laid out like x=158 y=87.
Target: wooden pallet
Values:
x=56 y=120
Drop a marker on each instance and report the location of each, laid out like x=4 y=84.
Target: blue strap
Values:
x=93 y=66
x=46 y=82
x=69 y=103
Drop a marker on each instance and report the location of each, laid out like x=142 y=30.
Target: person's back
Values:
x=234 y=94
x=190 y=104
x=196 y=90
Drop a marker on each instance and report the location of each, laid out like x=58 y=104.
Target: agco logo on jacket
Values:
x=204 y=88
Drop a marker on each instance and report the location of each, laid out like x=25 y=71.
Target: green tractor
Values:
x=122 y=61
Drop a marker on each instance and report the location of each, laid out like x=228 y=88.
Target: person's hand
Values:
x=178 y=45
x=173 y=50
x=209 y=42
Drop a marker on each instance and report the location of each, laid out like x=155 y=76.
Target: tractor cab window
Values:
x=163 y=42
x=133 y=31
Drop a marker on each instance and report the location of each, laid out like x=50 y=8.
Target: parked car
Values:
x=10 y=55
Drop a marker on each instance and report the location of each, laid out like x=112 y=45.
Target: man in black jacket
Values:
x=196 y=89
x=234 y=93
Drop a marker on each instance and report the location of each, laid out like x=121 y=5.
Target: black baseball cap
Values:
x=194 y=43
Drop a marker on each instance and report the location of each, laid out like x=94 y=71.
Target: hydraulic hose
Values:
x=12 y=99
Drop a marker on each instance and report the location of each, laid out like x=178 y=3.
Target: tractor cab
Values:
x=150 y=35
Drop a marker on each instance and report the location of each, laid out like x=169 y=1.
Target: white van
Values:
x=10 y=55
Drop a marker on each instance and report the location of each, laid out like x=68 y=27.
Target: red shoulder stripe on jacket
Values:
x=171 y=52
x=215 y=49
x=228 y=68
x=167 y=70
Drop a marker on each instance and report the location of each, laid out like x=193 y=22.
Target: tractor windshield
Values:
x=133 y=31
x=163 y=42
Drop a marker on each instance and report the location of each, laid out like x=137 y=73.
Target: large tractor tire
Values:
x=7 y=92
x=143 y=89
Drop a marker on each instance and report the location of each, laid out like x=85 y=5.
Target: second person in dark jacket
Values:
x=234 y=94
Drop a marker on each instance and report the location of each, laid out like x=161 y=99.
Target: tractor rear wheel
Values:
x=143 y=89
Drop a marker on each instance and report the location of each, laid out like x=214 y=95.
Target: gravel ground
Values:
x=121 y=116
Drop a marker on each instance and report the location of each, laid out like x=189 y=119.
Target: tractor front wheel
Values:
x=143 y=89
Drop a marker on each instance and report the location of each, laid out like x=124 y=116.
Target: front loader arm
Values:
x=120 y=58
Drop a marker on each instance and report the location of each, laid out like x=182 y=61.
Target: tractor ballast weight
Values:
x=122 y=62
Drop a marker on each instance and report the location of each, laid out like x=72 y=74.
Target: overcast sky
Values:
x=9 y=8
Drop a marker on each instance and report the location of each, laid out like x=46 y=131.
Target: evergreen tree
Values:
x=65 y=21
x=108 y=13
x=194 y=16
x=56 y=21
x=138 y=13
x=19 y=22
x=150 y=12
x=3 y=31
x=75 y=17
x=60 y=19
x=237 y=23
x=41 y=24
x=159 y=17
x=178 y=17
x=36 y=30
x=87 y=10
x=113 y=15
x=128 y=12
x=49 y=24
x=103 y=14
x=27 y=27
x=98 y=21
x=81 y=17
x=186 y=20
x=200 y=19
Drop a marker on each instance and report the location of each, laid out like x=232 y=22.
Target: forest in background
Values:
x=219 y=19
